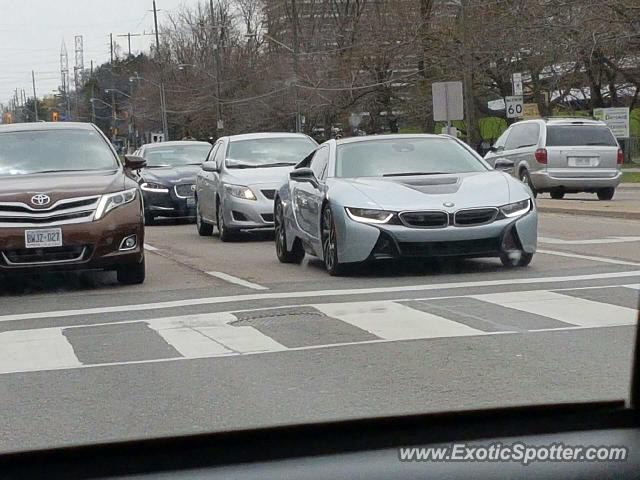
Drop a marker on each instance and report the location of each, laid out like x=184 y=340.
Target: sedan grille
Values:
x=475 y=216
x=270 y=194
x=71 y=210
x=52 y=255
x=185 y=190
x=429 y=219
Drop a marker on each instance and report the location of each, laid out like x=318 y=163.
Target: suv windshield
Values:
x=174 y=156
x=264 y=152
x=410 y=156
x=579 y=136
x=34 y=151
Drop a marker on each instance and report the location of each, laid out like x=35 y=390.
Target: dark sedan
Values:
x=168 y=180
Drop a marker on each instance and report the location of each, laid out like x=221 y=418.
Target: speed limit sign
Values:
x=514 y=106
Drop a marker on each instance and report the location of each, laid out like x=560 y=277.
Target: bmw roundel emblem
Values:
x=449 y=204
x=40 y=199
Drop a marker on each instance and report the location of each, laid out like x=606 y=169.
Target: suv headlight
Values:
x=368 y=215
x=114 y=200
x=516 y=209
x=240 y=191
x=153 y=187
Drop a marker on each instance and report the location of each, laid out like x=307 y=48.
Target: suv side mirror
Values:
x=133 y=162
x=210 y=167
x=503 y=164
x=304 y=174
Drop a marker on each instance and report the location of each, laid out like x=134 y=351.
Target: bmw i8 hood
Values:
x=171 y=175
x=477 y=189
x=258 y=176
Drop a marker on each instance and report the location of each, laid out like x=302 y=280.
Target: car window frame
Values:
x=322 y=171
x=221 y=155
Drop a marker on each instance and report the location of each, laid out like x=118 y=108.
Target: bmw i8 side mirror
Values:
x=503 y=164
x=133 y=162
x=304 y=174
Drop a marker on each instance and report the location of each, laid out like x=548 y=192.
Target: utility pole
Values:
x=216 y=60
x=163 y=100
x=113 y=97
x=296 y=53
x=467 y=78
x=35 y=97
x=129 y=35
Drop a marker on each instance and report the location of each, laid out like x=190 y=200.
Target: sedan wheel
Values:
x=224 y=233
x=204 y=229
x=330 y=244
x=296 y=254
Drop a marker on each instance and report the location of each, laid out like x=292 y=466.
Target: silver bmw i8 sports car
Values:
x=392 y=196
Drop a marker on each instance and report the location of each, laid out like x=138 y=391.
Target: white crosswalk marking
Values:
x=634 y=286
x=31 y=350
x=565 y=308
x=393 y=321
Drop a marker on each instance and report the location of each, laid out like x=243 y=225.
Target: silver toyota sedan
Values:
x=368 y=198
x=237 y=183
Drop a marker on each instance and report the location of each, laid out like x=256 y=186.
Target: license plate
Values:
x=191 y=202
x=50 y=237
x=582 y=161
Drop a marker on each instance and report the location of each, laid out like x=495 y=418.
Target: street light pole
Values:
x=216 y=66
x=35 y=97
x=163 y=100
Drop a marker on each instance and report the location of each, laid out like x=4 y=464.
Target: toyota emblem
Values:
x=41 y=199
x=449 y=204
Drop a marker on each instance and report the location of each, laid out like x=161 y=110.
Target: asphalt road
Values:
x=222 y=336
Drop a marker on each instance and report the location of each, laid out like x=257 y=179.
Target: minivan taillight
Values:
x=620 y=156
x=541 y=155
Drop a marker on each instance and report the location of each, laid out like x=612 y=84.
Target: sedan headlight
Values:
x=368 y=215
x=240 y=191
x=153 y=187
x=516 y=209
x=114 y=200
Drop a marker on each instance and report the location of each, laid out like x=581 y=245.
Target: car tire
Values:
x=526 y=178
x=606 y=193
x=521 y=259
x=131 y=274
x=149 y=219
x=296 y=254
x=204 y=229
x=330 y=244
x=224 y=233
x=557 y=194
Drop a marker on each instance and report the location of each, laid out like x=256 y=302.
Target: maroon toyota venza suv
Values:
x=68 y=203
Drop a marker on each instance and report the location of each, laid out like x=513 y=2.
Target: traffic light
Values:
x=54 y=116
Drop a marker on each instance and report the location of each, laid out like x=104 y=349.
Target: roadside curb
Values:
x=592 y=213
x=629 y=185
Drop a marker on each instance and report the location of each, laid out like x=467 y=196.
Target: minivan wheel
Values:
x=204 y=229
x=557 y=194
x=518 y=258
x=131 y=274
x=606 y=193
x=526 y=178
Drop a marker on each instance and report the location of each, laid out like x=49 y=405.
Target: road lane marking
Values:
x=236 y=280
x=150 y=248
x=635 y=286
x=589 y=257
x=393 y=321
x=313 y=294
x=572 y=310
x=589 y=241
x=33 y=350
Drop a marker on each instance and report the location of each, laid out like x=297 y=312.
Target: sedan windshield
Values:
x=62 y=150
x=407 y=156
x=268 y=152
x=174 y=156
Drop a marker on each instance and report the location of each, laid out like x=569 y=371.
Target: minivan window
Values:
x=525 y=135
x=580 y=136
x=59 y=150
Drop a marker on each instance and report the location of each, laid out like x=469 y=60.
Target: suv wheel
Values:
x=131 y=274
x=204 y=229
x=526 y=178
x=606 y=193
x=557 y=194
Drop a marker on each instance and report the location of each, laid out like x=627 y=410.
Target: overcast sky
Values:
x=32 y=31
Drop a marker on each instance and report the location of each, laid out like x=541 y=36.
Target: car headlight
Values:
x=240 y=192
x=368 y=215
x=516 y=209
x=114 y=200
x=153 y=187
